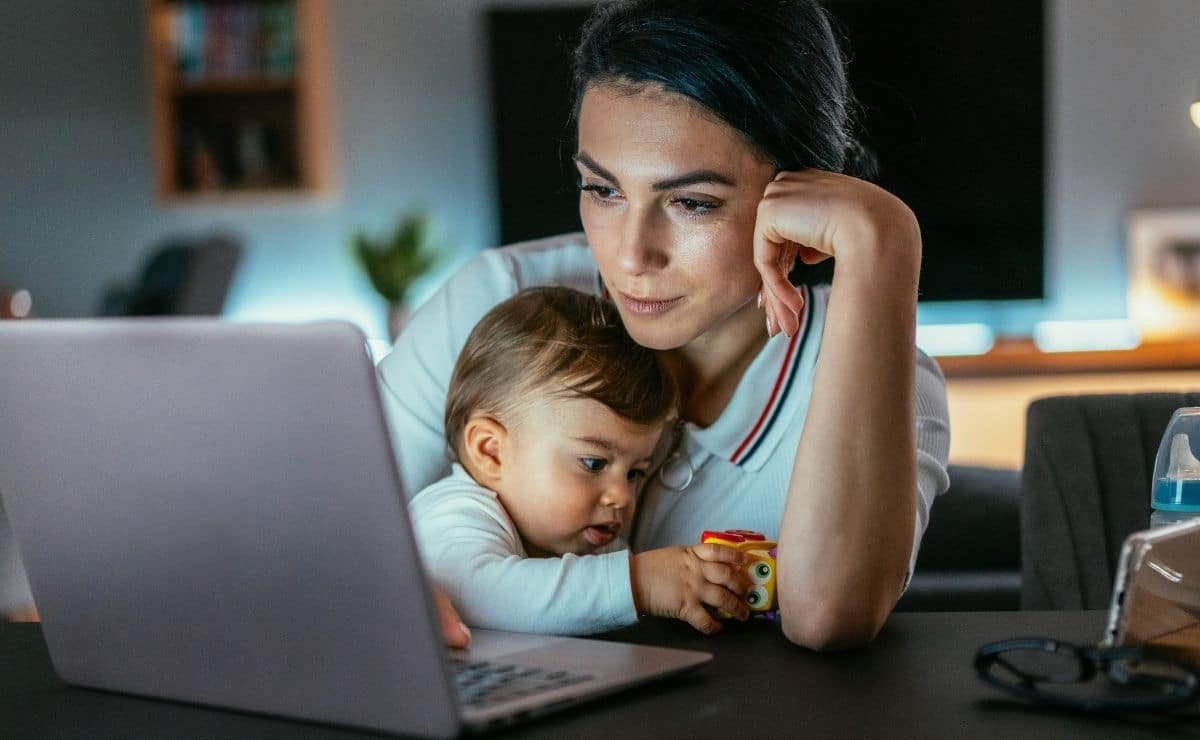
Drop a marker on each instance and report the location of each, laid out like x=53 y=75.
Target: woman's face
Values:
x=669 y=197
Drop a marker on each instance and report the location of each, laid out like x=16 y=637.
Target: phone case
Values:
x=1156 y=594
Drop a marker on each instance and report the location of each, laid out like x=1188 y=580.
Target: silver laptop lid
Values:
x=202 y=508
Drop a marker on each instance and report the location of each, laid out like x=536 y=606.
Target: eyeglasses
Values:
x=1086 y=678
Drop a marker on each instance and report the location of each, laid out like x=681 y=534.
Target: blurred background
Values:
x=220 y=157
x=94 y=142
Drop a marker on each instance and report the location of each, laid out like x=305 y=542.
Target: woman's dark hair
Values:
x=770 y=69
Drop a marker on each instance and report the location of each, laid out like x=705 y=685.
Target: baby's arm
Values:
x=567 y=595
x=472 y=551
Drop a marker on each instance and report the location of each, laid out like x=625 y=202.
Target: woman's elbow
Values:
x=832 y=624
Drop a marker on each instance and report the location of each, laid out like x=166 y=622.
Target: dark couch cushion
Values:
x=975 y=525
x=970 y=557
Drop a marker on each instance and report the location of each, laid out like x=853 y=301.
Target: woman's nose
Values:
x=640 y=244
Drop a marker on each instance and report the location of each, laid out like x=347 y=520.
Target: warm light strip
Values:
x=1082 y=336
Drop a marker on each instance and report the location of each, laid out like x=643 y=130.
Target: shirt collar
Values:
x=750 y=426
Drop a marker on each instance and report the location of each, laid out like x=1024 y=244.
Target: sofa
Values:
x=970 y=558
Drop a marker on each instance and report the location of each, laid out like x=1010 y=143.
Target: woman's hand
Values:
x=455 y=632
x=812 y=215
x=684 y=582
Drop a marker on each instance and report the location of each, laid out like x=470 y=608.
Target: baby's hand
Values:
x=684 y=582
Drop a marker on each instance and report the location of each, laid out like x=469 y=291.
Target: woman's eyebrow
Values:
x=690 y=178
x=583 y=159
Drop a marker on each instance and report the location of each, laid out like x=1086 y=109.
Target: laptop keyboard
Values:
x=484 y=683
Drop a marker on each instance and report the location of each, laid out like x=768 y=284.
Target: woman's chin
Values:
x=659 y=335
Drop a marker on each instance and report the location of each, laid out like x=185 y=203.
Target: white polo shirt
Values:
x=740 y=465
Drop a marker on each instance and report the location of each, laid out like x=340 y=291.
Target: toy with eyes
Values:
x=761 y=568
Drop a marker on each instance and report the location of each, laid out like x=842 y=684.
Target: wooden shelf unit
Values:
x=240 y=99
x=1020 y=356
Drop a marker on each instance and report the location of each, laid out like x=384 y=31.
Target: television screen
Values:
x=952 y=108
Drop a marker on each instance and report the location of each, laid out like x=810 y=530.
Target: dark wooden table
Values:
x=914 y=681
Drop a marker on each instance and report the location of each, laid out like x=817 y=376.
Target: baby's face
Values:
x=571 y=474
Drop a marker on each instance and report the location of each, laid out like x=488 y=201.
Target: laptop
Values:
x=211 y=512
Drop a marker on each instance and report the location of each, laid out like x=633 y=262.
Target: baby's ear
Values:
x=483 y=440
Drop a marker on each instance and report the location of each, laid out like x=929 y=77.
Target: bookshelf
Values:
x=241 y=106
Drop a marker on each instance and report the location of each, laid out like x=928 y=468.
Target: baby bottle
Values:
x=1175 y=492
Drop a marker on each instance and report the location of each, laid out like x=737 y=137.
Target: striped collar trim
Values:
x=720 y=435
x=780 y=391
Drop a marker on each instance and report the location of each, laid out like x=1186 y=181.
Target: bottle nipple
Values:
x=1183 y=464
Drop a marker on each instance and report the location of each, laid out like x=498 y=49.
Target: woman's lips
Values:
x=649 y=305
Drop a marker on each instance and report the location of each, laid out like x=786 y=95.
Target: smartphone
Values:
x=1156 y=594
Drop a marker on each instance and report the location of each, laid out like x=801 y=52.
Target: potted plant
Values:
x=394 y=262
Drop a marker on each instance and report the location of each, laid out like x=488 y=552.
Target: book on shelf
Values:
x=224 y=40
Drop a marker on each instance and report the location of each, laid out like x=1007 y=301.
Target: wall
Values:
x=77 y=209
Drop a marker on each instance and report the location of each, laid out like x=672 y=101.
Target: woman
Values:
x=715 y=150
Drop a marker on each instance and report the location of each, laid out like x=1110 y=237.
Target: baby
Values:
x=553 y=418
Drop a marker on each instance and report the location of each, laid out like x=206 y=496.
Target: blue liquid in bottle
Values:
x=1174 y=501
x=1176 y=495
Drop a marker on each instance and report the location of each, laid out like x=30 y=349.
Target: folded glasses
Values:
x=1061 y=674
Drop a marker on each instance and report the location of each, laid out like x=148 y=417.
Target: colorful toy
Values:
x=761 y=568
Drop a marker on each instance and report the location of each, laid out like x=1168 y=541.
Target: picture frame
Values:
x=1163 y=297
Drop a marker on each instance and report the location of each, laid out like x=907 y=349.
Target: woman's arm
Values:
x=848 y=526
x=413 y=378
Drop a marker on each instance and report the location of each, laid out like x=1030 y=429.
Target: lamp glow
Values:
x=19 y=304
x=955 y=339
x=1194 y=109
